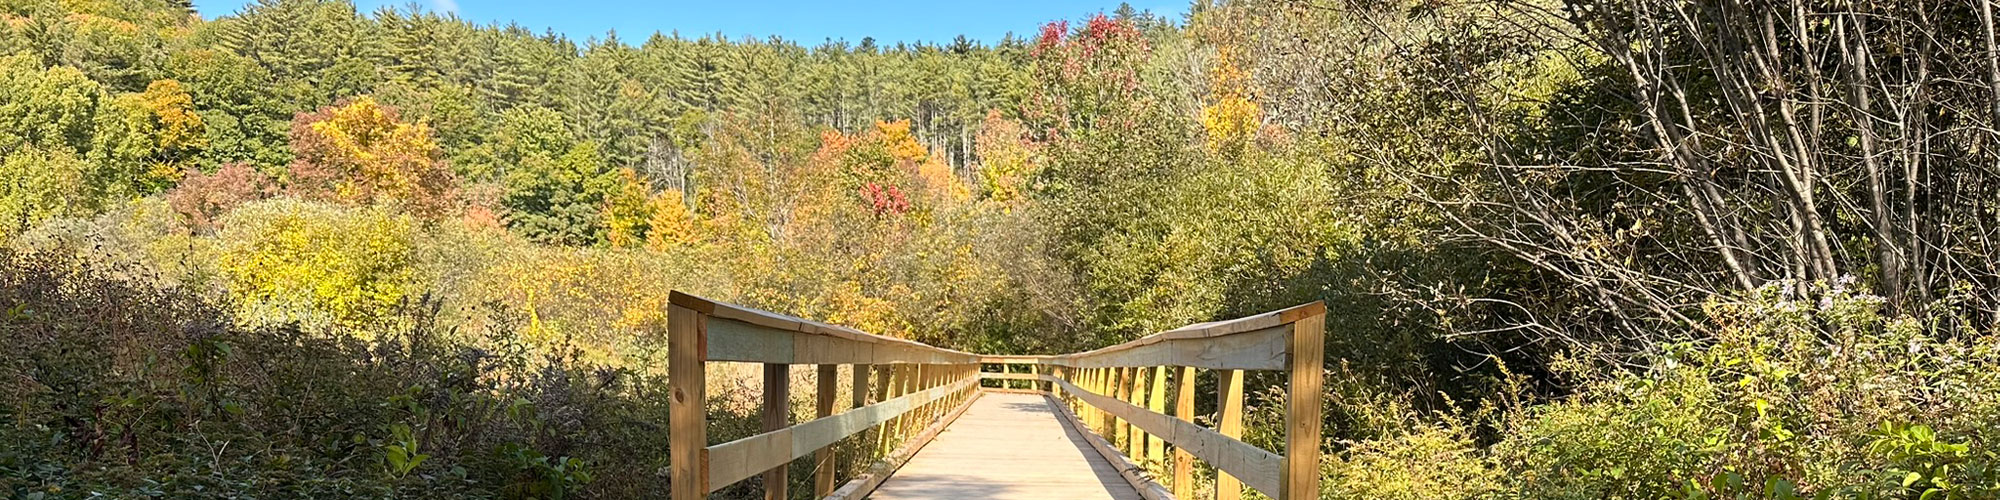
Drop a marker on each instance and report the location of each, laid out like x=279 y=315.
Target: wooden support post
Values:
x=1125 y=383
x=1229 y=399
x=860 y=396
x=1135 y=437
x=687 y=411
x=777 y=410
x=829 y=388
x=1156 y=400
x=885 y=434
x=1184 y=409
x=1302 y=410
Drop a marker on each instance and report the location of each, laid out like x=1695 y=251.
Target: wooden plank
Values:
x=880 y=471
x=1303 y=403
x=1229 y=423
x=1008 y=447
x=1262 y=349
x=1135 y=438
x=776 y=413
x=1010 y=360
x=738 y=460
x=687 y=410
x=1156 y=401
x=1134 y=474
x=1254 y=466
x=828 y=380
x=1184 y=409
x=750 y=331
x=1009 y=376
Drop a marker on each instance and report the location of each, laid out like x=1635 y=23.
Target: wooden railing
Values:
x=1120 y=393
x=916 y=389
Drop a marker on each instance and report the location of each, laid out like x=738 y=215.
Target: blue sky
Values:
x=808 y=22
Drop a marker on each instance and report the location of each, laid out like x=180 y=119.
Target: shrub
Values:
x=292 y=259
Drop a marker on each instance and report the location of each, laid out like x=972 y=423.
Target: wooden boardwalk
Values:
x=1002 y=444
x=1007 y=446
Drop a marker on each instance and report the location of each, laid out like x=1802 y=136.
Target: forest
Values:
x=1570 y=249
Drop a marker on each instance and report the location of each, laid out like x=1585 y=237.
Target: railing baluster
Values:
x=1156 y=400
x=687 y=411
x=1303 y=410
x=860 y=389
x=777 y=410
x=1184 y=410
x=828 y=380
x=1229 y=400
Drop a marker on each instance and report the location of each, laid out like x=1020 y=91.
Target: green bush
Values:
x=121 y=387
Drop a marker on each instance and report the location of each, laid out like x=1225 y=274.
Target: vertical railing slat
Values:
x=1300 y=479
x=1156 y=400
x=828 y=380
x=1229 y=422
x=777 y=410
x=1184 y=409
x=687 y=375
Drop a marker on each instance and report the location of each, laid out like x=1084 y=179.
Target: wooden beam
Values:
x=1303 y=410
x=687 y=410
x=861 y=486
x=1156 y=400
x=828 y=380
x=1184 y=409
x=777 y=412
x=738 y=460
x=1253 y=350
x=1257 y=467
x=1133 y=473
x=1229 y=423
x=1135 y=437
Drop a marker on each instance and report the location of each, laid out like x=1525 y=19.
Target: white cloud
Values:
x=445 y=6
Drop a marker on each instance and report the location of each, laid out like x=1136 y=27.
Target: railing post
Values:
x=828 y=379
x=777 y=410
x=860 y=398
x=885 y=383
x=1302 y=410
x=1184 y=409
x=687 y=374
x=1156 y=400
x=1229 y=422
x=1126 y=381
x=1135 y=437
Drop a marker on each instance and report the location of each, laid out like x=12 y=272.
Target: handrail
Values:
x=1121 y=392
x=1118 y=392
x=914 y=385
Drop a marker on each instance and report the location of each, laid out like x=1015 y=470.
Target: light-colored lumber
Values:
x=1183 y=482
x=1229 y=422
x=1008 y=446
x=828 y=380
x=881 y=470
x=1252 y=465
x=736 y=460
x=1302 y=411
x=777 y=412
x=687 y=411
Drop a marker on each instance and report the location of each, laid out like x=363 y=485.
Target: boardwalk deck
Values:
x=1007 y=446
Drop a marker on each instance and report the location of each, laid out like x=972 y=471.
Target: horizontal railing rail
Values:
x=914 y=386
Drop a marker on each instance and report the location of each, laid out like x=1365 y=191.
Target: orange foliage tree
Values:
x=361 y=152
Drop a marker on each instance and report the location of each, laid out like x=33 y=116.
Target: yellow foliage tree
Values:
x=1007 y=160
x=672 y=224
x=1231 y=118
x=361 y=152
x=288 y=257
x=628 y=211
